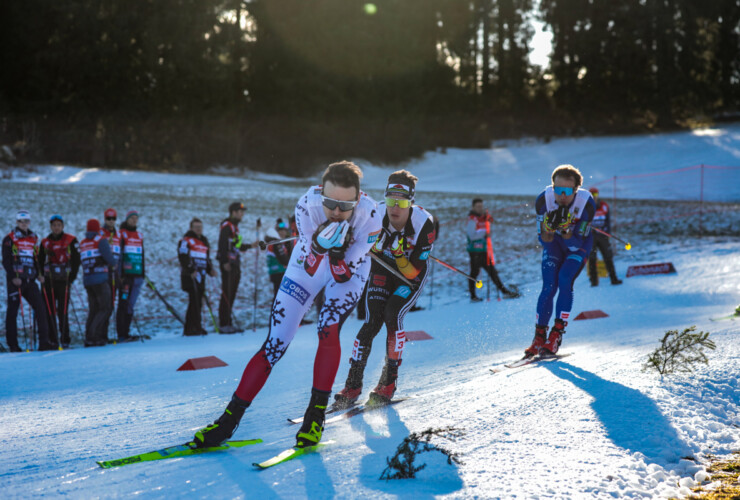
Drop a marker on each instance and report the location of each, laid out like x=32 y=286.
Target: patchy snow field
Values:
x=592 y=425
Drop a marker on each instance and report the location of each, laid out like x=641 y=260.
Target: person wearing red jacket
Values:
x=480 y=248
x=194 y=254
x=59 y=257
x=602 y=220
x=20 y=260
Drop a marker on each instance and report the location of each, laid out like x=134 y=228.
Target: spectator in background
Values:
x=132 y=271
x=20 y=260
x=602 y=220
x=480 y=248
x=278 y=255
x=110 y=233
x=194 y=253
x=59 y=257
x=97 y=261
x=230 y=244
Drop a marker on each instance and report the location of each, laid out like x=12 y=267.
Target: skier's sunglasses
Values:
x=563 y=190
x=392 y=202
x=331 y=204
x=110 y=218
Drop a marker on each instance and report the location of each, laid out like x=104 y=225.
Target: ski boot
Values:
x=539 y=341
x=313 y=420
x=382 y=394
x=556 y=337
x=346 y=398
x=223 y=428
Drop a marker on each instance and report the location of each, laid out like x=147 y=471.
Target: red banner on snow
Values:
x=660 y=268
x=596 y=313
x=418 y=335
x=201 y=363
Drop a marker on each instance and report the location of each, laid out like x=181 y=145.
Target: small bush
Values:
x=679 y=352
x=401 y=465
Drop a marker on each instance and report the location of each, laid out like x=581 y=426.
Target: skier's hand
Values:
x=381 y=242
x=194 y=274
x=17 y=281
x=559 y=218
x=329 y=235
x=40 y=278
x=397 y=247
x=227 y=267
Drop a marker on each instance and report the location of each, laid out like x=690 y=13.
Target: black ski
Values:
x=529 y=360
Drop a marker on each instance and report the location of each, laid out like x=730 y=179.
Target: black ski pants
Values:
x=30 y=292
x=195 y=289
x=601 y=242
x=478 y=261
x=57 y=297
x=99 y=309
x=229 y=285
x=387 y=300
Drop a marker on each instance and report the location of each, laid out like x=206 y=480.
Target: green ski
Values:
x=182 y=450
x=290 y=454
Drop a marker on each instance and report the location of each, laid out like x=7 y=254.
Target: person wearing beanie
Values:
x=403 y=245
x=194 y=254
x=230 y=245
x=131 y=271
x=20 y=260
x=59 y=257
x=110 y=233
x=97 y=261
x=278 y=255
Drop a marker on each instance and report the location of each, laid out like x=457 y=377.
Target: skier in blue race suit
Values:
x=564 y=215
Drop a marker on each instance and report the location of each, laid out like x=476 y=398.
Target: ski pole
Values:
x=208 y=305
x=263 y=244
x=77 y=320
x=627 y=244
x=256 y=276
x=478 y=283
x=398 y=275
x=136 y=324
x=431 y=285
x=164 y=301
x=23 y=318
x=52 y=316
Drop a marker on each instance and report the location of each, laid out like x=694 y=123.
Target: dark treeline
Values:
x=287 y=85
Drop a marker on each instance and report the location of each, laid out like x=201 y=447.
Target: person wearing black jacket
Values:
x=59 y=257
x=20 y=260
x=194 y=253
x=230 y=244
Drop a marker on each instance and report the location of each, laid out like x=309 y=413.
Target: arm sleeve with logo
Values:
x=418 y=259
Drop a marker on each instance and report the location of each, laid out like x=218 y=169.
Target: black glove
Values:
x=555 y=218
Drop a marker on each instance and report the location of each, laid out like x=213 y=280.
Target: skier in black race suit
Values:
x=405 y=244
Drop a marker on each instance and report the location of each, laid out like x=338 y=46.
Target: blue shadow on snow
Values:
x=632 y=420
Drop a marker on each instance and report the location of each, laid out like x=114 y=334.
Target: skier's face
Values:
x=238 y=215
x=478 y=207
x=566 y=182
x=57 y=227
x=397 y=215
x=338 y=193
x=23 y=224
x=197 y=228
x=133 y=221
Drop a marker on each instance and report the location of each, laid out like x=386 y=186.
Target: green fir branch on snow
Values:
x=401 y=465
x=680 y=352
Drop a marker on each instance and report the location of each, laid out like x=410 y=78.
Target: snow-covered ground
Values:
x=591 y=425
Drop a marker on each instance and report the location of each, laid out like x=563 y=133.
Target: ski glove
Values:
x=381 y=243
x=337 y=253
x=398 y=246
x=560 y=218
x=329 y=235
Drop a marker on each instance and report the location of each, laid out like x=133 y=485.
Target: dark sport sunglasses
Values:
x=331 y=204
